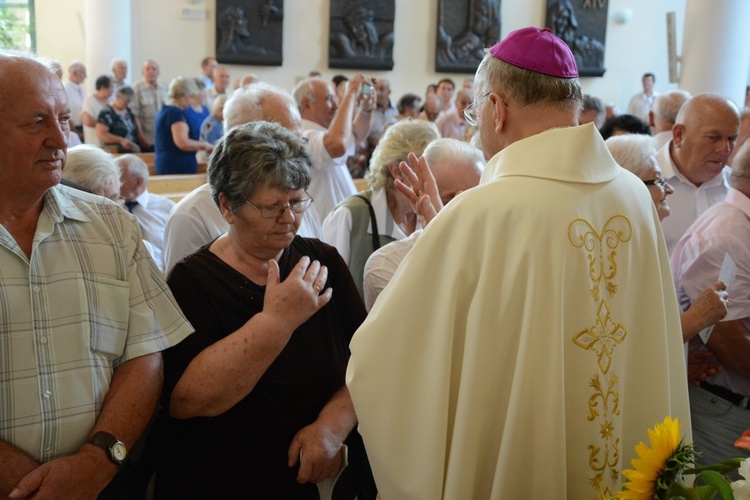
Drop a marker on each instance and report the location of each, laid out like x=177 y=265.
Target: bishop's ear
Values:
x=499 y=105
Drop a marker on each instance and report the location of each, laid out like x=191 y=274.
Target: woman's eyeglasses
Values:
x=274 y=211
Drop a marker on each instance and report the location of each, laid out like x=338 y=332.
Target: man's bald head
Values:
x=704 y=135
x=33 y=130
x=699 y=105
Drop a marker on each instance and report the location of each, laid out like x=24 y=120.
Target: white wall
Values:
x=179 y=45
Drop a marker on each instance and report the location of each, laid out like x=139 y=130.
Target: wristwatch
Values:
x=115 y=448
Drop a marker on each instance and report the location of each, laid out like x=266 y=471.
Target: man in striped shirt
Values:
x=84 y=312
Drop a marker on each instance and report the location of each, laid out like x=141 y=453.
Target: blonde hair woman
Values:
x=175 y=150
x=363 y=222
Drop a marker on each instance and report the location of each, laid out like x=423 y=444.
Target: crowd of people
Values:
x=525 y=288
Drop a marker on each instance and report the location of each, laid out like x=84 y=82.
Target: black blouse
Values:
x=243 y=452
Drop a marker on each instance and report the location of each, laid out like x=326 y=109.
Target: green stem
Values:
x=678 y=489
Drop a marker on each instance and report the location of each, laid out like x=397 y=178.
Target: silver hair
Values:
x=452 y=151
x=667 y=105
x=254 y=156
x=137 y=168
x=182 y=86
x=91 y=166
x=306 y=90
x=400 y=139
x=634 y=152
x=246 y=103
x=116 y=61
x=75 y=65
x=53 y=64
x=528 y=87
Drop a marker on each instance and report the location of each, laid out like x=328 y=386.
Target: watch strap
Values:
x=106 y=441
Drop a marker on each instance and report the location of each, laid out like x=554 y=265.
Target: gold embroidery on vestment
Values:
x=602 y=338
x=601 y=249
x=603 y=397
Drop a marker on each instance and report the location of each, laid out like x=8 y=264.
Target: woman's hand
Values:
x=298 y=297
x=129 y=145
x=319 y=446
x=319 y=450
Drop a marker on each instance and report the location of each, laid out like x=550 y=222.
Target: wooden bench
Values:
x=148 y=158
x=361 y=184
x=177 y=186
x=152 y=168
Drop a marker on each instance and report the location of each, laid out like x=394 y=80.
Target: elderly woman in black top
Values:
x=256 y=397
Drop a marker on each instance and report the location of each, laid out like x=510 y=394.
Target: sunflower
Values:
x=656 y=468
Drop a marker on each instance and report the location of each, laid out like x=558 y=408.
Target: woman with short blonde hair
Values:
x=175 y=150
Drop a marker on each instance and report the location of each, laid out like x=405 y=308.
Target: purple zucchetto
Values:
x=537 y=50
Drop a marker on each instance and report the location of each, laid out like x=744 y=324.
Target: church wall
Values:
x=179 y=44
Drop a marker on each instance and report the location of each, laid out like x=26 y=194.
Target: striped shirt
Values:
x=88 y=299
x=146 y=104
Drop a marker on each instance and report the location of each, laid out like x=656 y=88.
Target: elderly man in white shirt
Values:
x=332 y=129
x=76 y=94
x=694 y=161
x=151 y=210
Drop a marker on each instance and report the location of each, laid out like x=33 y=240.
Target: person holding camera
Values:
x=332 y=128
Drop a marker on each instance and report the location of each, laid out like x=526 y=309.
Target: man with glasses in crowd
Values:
x=694 y=161
x=332 y=129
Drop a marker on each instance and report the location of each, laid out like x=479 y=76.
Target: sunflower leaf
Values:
x=705 y=492
x=717 y=482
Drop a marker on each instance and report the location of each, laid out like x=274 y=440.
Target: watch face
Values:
x=119 y=452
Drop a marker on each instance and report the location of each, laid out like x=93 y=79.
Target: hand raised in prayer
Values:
x=701 y=365
x=294 y=300
x=418 y=184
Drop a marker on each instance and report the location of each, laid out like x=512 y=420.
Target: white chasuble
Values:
x=529 y=339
